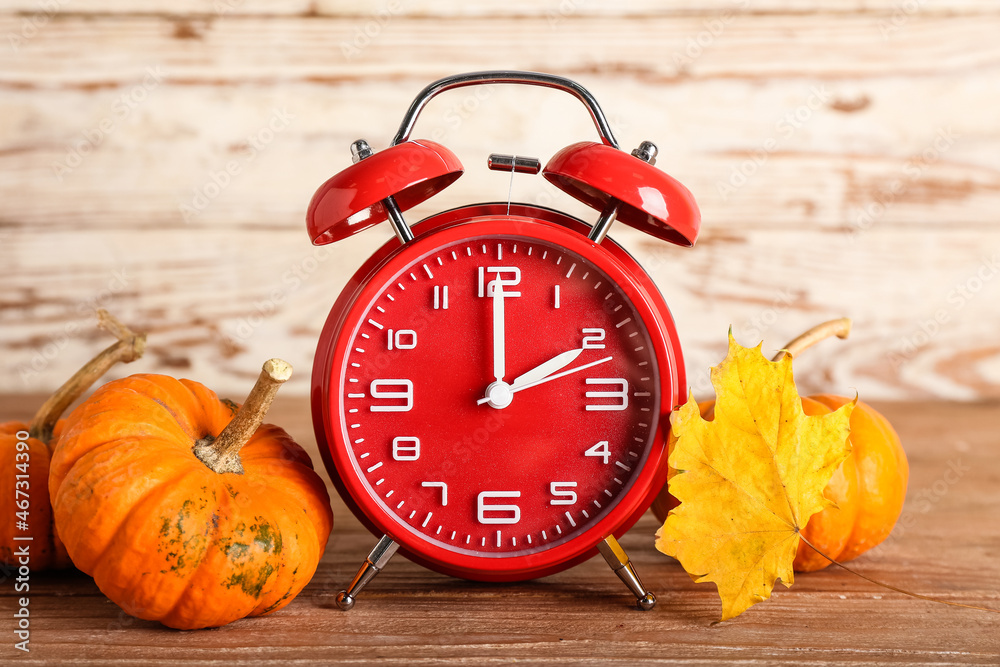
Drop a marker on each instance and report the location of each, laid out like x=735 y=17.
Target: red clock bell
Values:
x=490 y=391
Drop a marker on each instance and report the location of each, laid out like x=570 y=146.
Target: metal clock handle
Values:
x=505 y=76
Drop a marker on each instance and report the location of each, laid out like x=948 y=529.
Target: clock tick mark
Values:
x=427 y=519
x=559 y=530
x=412 y=277
x=598 y=284
x=400 y=286
x=380 y=308
x=390 y=297
x=438 y=531
x=633 y=334
x=352 y=380
x=379 y=483
x=453 y=533
x=529 y=250
x=499 y=252
x=365 y=455
x=391 y=491
x=597 y=504
x=359 y=441
x=468 y=538
x=623 y=322
x=355 y=364
x=544 y=253
x=618 y=481
x=440 y=263
x=515 y=249
x=641 y=347
x=610 y=294
x=454 y=255
x=529 y=539
x=428 y=270
x=544 y=536
x=623 y=466
x=355 y=396
x=468 y=250
x=513 y=541
x=559 y=260
x=585 y=274
x=584 y=513
x=571 y=522
x=570 y=272
x=353 y=410
x=375 y=467
x=355 y=425
x=484 y=542
x=633 y=454
x=484 y=248
x=641 y=394
x=608 y=493
x=365 y=336
x=375 y=324
x=499 y=543
x=412 y=514
x=643 y=363
x=359 y=350
x=400 y=504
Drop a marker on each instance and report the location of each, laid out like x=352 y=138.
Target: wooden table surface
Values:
x=947 y=545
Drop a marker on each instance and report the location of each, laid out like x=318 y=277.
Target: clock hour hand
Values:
x=556 y=363
x=496 y=400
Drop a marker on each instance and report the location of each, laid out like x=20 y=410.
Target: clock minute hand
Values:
x=556 y=363
x=499 y=344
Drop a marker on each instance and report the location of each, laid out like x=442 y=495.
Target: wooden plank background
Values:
x=846 y=157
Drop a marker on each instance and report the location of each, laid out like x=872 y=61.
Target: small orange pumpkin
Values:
x=182 y=512
x=25 y=452
x=868 y=488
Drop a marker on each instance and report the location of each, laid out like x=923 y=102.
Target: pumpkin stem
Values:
x=840 y=328
x=129 y=347
x=222 y=454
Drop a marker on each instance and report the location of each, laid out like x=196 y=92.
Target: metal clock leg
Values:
x=376 y=561
x=619 y=562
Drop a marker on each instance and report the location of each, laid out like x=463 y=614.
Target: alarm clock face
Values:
x=492 y=395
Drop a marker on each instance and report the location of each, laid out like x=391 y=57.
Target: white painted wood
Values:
x=93 y=184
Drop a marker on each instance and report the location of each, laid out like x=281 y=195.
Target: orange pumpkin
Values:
x=182 y=512
x=25 y=451
x=869 y=487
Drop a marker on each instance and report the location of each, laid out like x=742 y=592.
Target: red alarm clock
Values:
x=491 y=390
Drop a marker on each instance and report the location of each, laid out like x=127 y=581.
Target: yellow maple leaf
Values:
x=749 y=480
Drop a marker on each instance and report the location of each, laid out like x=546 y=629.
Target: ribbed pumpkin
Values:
x=25 y=451
x=869 y=487
x=182 y=512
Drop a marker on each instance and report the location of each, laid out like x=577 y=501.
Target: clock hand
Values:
x=499 y=357
x=556 y=363
x=548 y=378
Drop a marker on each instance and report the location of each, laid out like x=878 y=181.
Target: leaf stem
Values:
x=129 y=347
x=894 y=588
x=840 y=328
x=222 y=453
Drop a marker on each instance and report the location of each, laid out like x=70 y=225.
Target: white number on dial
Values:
x=592 y=339
x=619 y=394
x=486 y=289
x=563 y=492
x=600 y=450
x=406 y=448
x=513 y=512
x=406 y=395
x=404 y=339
